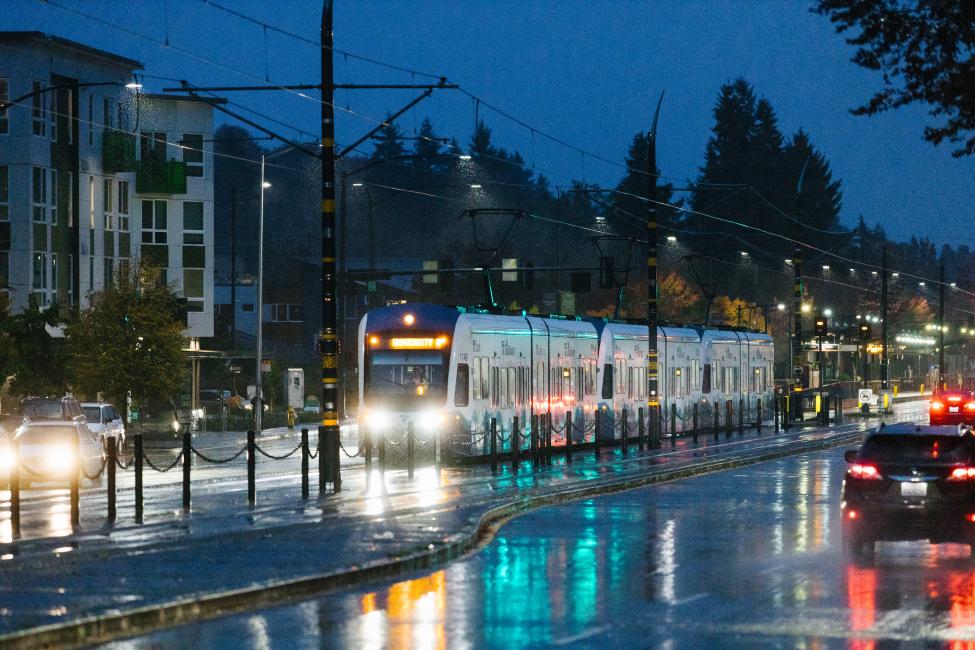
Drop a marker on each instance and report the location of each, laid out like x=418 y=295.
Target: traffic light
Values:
x=819 y=326
x=866 y=331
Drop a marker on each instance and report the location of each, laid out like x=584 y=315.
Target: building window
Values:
x=106 y=112
x=108 y=202
x=247 y=306
x=152 y=146
x=287 y=313
x=91 y=205
x=123 y=206
x=4 y=271
x=40 y=195
x=4 y=96
x=69 y=105
x=193 y=153
x=153 y=222
x=54 y=273
x=193 y=289
x=91 y=124
x=193 y=222
x=70 y=199
x=52 y=114
x=37 y=112
x=4 y=193
x=54 y=197
x=39 y=283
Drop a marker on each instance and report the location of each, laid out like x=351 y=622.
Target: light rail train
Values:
x=450 y=370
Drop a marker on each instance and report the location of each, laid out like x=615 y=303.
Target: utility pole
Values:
x=328 y=341
x=797 y=299
x=233 y=271
x=653 y=397
x=941 y=330
x=884 y=370
x=259 y=380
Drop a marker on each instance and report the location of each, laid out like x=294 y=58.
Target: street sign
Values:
x=265 y=365
x=867 y=396
x=234 y=370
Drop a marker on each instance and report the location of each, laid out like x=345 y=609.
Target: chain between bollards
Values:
x=112 y=456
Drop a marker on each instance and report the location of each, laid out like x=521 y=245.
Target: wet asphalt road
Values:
x=744 y=558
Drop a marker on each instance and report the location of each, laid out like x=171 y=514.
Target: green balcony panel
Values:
x=118 y=152
x=160 y=177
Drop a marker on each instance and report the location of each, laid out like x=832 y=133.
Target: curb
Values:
x=180 y=611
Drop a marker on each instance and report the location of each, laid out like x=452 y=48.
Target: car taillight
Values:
x=962 y=474
x=954 y=398
x=970 y=406
x=937 y=406
x=868 y=472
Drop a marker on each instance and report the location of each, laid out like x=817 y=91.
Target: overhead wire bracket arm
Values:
x=387 y=122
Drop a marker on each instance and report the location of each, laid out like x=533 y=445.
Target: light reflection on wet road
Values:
x=749 y=557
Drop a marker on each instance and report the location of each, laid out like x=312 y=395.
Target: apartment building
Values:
x=95 y=173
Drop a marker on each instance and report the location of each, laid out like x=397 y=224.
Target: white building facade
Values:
x=94 y=174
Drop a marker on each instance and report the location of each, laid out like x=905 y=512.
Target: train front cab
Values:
x=405 y=356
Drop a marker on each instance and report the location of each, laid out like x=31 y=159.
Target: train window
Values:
x=512 y=387
x=706 y=379
x=494 y=388
x=581 y=381
x=608 y=381
x=476 y=378
x=462 y=387
x=590 y=378
x=485 y=378
x=540 y=386
x=695 y=375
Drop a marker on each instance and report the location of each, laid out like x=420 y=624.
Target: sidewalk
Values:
x=227 y=557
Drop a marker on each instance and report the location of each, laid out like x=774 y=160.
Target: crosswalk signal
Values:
x=866 y=332
x=819 y=326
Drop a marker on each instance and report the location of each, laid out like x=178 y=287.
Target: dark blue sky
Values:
x=588 y=72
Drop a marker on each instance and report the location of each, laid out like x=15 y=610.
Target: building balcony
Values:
x=118 y=152
x=160 y=177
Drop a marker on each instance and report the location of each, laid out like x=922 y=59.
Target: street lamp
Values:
x=258 y=382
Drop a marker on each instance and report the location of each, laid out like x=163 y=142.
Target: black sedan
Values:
x=910 y=482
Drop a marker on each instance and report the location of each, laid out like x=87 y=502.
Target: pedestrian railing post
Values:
x=534 y=440
x=640 y=431
x=598 y=433
x=515 y=443
x=251 y=467
x=187 y=465
x=304 y=462
x=729 y=418
x=15 y=489
x=624 y=434
x=112 y=456
x=322 y=454
x=568 y=437
x=138 y=478
x=695 y=421
x=76 y=483
x=411 y=450
x=741 y=416
x=775 y=413
x=494 y=445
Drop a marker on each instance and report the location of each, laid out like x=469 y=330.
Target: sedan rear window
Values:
x=46 y=435
x=912 y=449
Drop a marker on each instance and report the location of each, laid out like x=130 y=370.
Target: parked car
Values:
x=64 y=409
x=47 y=451
x=104 y=420
x=910 y=482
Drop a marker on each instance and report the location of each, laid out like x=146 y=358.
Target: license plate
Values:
x=914 y=489
x=953 y=409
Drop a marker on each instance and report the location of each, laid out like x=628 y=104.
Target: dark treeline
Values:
x=731 y=237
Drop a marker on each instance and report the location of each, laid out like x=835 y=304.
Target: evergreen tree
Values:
x=629 y=212
x=427 y=148
x=389 y=143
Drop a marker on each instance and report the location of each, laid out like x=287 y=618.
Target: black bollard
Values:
x=624 y=432
x=673 y=425
x=304 y=462
x=76 y=484
x=640 y=431
x=494 y=445
x=411 y=448
x=695 y=421
x=138 y=478
x=717 y=420
x=533 y=432
x=549 y=435
x=187 y=464
x=838 y=419
x=515 y=443
x=251 y=467
x=15 y=489
x=112 y=455
x=598 y=428
x=775 y=413
x=741 y=416
x=729 y=416
x=321 y=460
x=336 y=448
x=758 y=415
x=568 y=437
x=367 y=446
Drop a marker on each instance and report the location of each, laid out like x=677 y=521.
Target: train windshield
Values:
x=404 y=378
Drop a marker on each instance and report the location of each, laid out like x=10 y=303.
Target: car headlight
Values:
x=430 y=421
x=59 y=459
x=378 y=419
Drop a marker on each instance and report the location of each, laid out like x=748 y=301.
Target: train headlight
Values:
x=430 y=421
x=6 y=459
x=378 y=419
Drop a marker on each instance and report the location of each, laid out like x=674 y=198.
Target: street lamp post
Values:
x=258 y=382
